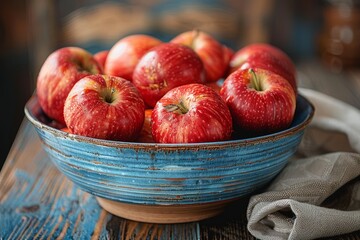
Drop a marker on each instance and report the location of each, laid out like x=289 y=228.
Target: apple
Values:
x=165 y=67
x=58 y=74
x=211 y=51
x=105 y=107
x=126 y=53
x=228 y=54
x=65 y=129
x=259 y=100
x=191 y=113
x=101 y=56
x=145 y=134
x=214 y=85
x=265 y=56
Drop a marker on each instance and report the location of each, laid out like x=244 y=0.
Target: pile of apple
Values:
x=189 y=89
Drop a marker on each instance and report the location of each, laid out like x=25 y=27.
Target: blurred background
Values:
x=323 y=31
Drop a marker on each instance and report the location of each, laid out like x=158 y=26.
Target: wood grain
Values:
x=344 y=85
x=38 y=202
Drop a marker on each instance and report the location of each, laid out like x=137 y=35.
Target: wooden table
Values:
x=38 y=202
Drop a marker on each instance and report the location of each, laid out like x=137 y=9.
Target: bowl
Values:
x=169 y=183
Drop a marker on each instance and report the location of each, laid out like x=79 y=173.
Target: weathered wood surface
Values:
x=38 y=202
x=344 y=86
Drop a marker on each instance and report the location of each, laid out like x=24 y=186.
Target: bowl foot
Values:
x=163 y=213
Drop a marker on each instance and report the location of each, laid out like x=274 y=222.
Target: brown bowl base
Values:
x=164 y=214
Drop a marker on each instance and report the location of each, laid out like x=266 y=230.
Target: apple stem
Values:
x=254 y=80
x=109 y=96
x=177 y=108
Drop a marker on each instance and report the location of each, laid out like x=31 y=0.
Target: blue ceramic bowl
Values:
x=153 y=175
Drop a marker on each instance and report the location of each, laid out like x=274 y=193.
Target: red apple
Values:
x=165 y=67
x=260 y=101
x=189 y=114
x=101 y=56
x=265 y=56
x=211 y=51
x=105 y=107
x=228 y=54
x=126 y=53
x=58 y=74
x=65 y=129
x=215 y=86
x=145 y=134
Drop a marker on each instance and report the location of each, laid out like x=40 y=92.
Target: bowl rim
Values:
x=33 y=103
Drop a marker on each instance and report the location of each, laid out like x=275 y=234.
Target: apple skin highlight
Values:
x=105 y=107
x=191 y=113
x=58 y=74
x=259 y=100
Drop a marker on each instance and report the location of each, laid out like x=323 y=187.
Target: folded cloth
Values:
x=333 y=119
x=318 y=193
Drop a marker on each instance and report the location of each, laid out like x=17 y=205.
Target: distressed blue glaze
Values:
x=27 y=213
x=156 y=174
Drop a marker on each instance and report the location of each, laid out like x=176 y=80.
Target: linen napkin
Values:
x=318 y=193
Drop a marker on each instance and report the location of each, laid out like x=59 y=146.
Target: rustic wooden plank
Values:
x=231 y=224
x=41 y=203
x=38 y=202
x=343 y=85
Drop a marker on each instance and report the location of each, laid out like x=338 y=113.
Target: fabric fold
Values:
x=318 y=193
